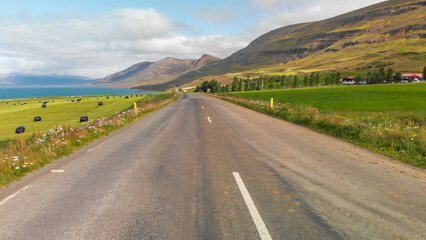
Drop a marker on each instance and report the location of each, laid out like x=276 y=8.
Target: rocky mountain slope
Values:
x=162 y=71
x=390 y=33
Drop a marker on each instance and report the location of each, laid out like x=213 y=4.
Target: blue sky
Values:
x=95 y=38
x=238 y=16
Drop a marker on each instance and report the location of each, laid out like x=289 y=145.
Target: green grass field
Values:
x=57 y=113
x=370 y=98
x=389 y=119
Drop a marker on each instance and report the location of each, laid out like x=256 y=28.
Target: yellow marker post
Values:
x=136 y=108
x=272 y=103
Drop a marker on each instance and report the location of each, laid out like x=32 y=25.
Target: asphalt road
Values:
x=201 y=168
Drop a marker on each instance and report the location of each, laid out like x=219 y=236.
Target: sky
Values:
x=95 y=38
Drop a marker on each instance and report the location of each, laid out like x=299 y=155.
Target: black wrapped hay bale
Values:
x=126 y=97
x=37 y=119
x=20 y=129
x=84 y=119
x=100 y=103
x=44 y=106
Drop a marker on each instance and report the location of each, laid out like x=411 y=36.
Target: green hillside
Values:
x=391 y=33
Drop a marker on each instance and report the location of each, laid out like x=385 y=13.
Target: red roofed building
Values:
x=412 y=77
x=349 y=80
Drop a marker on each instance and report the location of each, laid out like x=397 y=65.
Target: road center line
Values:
x=13 y=195
x=208 y=118
x=257 y=219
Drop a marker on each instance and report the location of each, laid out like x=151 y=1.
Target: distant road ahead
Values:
x=202 y=168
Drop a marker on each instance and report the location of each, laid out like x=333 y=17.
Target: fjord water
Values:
x=8 y=92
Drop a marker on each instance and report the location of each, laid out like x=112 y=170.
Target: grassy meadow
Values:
x=357 y=98
x=388 y=119
x=59 y=111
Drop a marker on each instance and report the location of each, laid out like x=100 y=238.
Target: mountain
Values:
x=163 y=71
x=28 y=79
x=390 y=33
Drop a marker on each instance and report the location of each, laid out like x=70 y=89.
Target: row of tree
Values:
x=293 y=81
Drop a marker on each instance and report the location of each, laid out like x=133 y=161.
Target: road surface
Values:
x=202 y=168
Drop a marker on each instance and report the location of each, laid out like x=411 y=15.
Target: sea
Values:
x=13 y=92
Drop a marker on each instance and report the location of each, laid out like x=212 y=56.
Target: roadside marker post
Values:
x=136 y=108
x=272 y=102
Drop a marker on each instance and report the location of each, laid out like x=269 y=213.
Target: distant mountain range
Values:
x=390 y=33
x=151 y=73
x=28 y=79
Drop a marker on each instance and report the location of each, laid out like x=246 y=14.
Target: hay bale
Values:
x=100 y=103
x=84 y=119
x=37 y=119
x=126 y=97
x=20 y=129
x=43 y=106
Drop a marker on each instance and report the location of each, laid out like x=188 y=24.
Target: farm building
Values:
x=412 y=77
x=349 y=80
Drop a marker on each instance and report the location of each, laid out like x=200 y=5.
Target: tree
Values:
x=283 y=80
x=398 y=77
x=240 y=85
x=389 y=75
x=375 y=78
x=368 y=80
x=358 y=78
x=204 y=86
x=295 y=81
x=214 y=86
x=317 y=78
x=289 y=80
x=327 y=80
x=234 y=86
x=337 y=79
x=312 y=79
x=305 y=80
x=424 y=72
x=381 y=75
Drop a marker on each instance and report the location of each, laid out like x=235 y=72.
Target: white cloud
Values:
x=100 y=44
x=104 y=43
x=287 y=12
